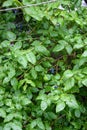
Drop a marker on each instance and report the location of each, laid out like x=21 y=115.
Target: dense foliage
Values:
x=43 y=71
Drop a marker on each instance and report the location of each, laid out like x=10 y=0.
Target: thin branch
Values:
x=26 y=6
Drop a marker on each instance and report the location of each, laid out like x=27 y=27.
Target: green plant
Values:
x=43 y=73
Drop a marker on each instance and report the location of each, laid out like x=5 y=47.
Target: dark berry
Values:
x=15 y=11
x=55 y=86
x=19 y=26
x=52 y=71
x=86 y=1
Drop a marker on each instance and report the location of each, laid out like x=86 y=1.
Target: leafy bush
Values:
x=43 y=72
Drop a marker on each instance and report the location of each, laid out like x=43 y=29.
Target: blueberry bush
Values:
x=43 y=72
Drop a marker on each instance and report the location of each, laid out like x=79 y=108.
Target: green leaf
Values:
x=47 y=125
x=8 y=102
x=46 y=64
x=42 y=49
x=60 y=106
x=52 y=115
x=14 y=83
x=77 y=113
x=5 y=43
x=81 y=61
x=78 y=46
x=69 y=49
x=58 y=48
x=7 y=127
x=9 y=117
x=6 y=80
x=10 y=36
x=11 y=73
x=33 y=73
x=31 y=57
x=34 y=12
x=40 y=124
x=7 y=3
x=18 y=115
x=84 y=82
x=84 y=53
x=30 y=82
x=21 y=82
x=2 y=113
x=47 y=77
x=23 y=61
x=69 y=84
x=67 y=74
x=39 y=68
x=12 y=126
x=63 y=42
x=84 y=70
x=25 y=101
x=18 y=106
x=70 y=101
x=43 y=105
x=33 y=123
x=15 y=127
x=2 y=90
x=41 y=97
x=17 y=45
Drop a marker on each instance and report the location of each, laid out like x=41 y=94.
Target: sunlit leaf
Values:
x=23 y=61
x=40 y=124
x=58 y=48
x=41 y=49
x=43 y=105
x=31 y=57
x=69 y=84
x=60 y=106
x=2 y=113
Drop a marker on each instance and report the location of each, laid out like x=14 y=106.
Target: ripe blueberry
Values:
x=55 y=86
x=52 y=71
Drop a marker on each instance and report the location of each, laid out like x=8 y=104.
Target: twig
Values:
x=26 y=6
